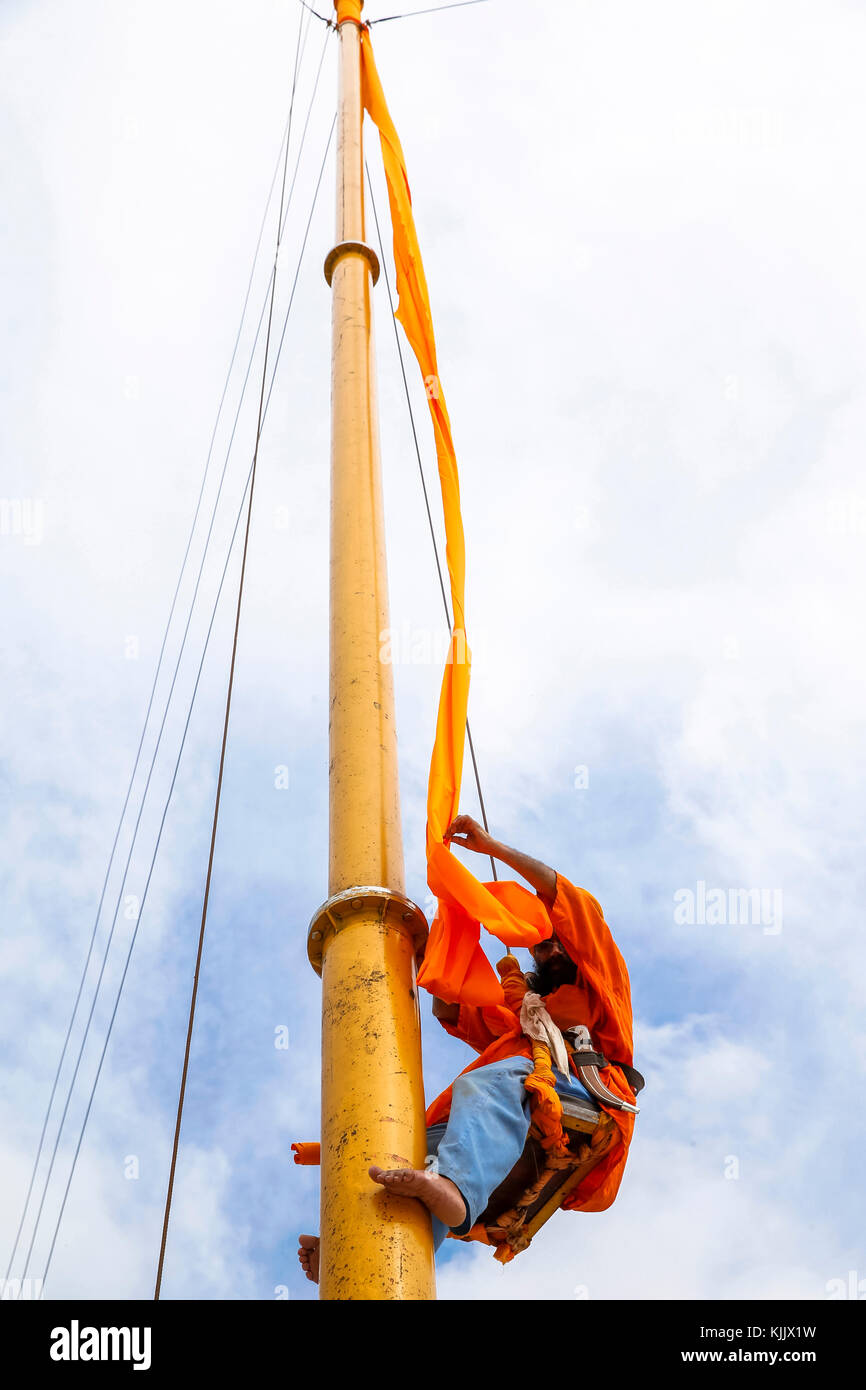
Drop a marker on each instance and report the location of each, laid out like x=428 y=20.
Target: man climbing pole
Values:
x=518 y=1085
x=477 y=1128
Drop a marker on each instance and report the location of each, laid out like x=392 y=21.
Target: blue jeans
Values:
x=486 y=1133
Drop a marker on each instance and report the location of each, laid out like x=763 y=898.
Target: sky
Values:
x=642 y=229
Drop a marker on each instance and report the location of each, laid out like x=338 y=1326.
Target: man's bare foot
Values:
x=440 y=1195
x=308 y=1254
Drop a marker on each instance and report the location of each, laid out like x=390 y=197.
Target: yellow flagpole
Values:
x=364 y=939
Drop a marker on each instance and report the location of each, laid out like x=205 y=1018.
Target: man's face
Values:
x=553 y=966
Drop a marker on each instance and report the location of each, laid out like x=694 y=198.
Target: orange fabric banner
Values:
x=454 y=966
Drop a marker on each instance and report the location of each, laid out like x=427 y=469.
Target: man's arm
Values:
x=466 y=832
x=472 y=1024
x=446 y=1013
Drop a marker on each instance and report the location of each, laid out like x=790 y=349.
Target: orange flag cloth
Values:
x=454 y=967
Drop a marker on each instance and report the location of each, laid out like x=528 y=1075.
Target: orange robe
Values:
x=600 y=998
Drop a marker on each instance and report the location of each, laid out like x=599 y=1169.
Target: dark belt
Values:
x=588 y=1064
x=597 y=1059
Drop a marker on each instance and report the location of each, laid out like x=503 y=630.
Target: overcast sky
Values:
x=643 y=230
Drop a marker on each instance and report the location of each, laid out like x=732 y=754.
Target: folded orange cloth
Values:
x=308 y=1153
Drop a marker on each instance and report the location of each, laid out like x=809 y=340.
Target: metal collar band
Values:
x=350 y=248
x=392 y=908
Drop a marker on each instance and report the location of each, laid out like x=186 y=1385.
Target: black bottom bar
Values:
x=67 y=1337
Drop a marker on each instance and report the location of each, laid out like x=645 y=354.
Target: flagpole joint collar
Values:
x=391 y=908
x=351 y=248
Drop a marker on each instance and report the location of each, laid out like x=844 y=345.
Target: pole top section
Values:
x=349 y=10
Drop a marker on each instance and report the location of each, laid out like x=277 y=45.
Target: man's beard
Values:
x=553 y=973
